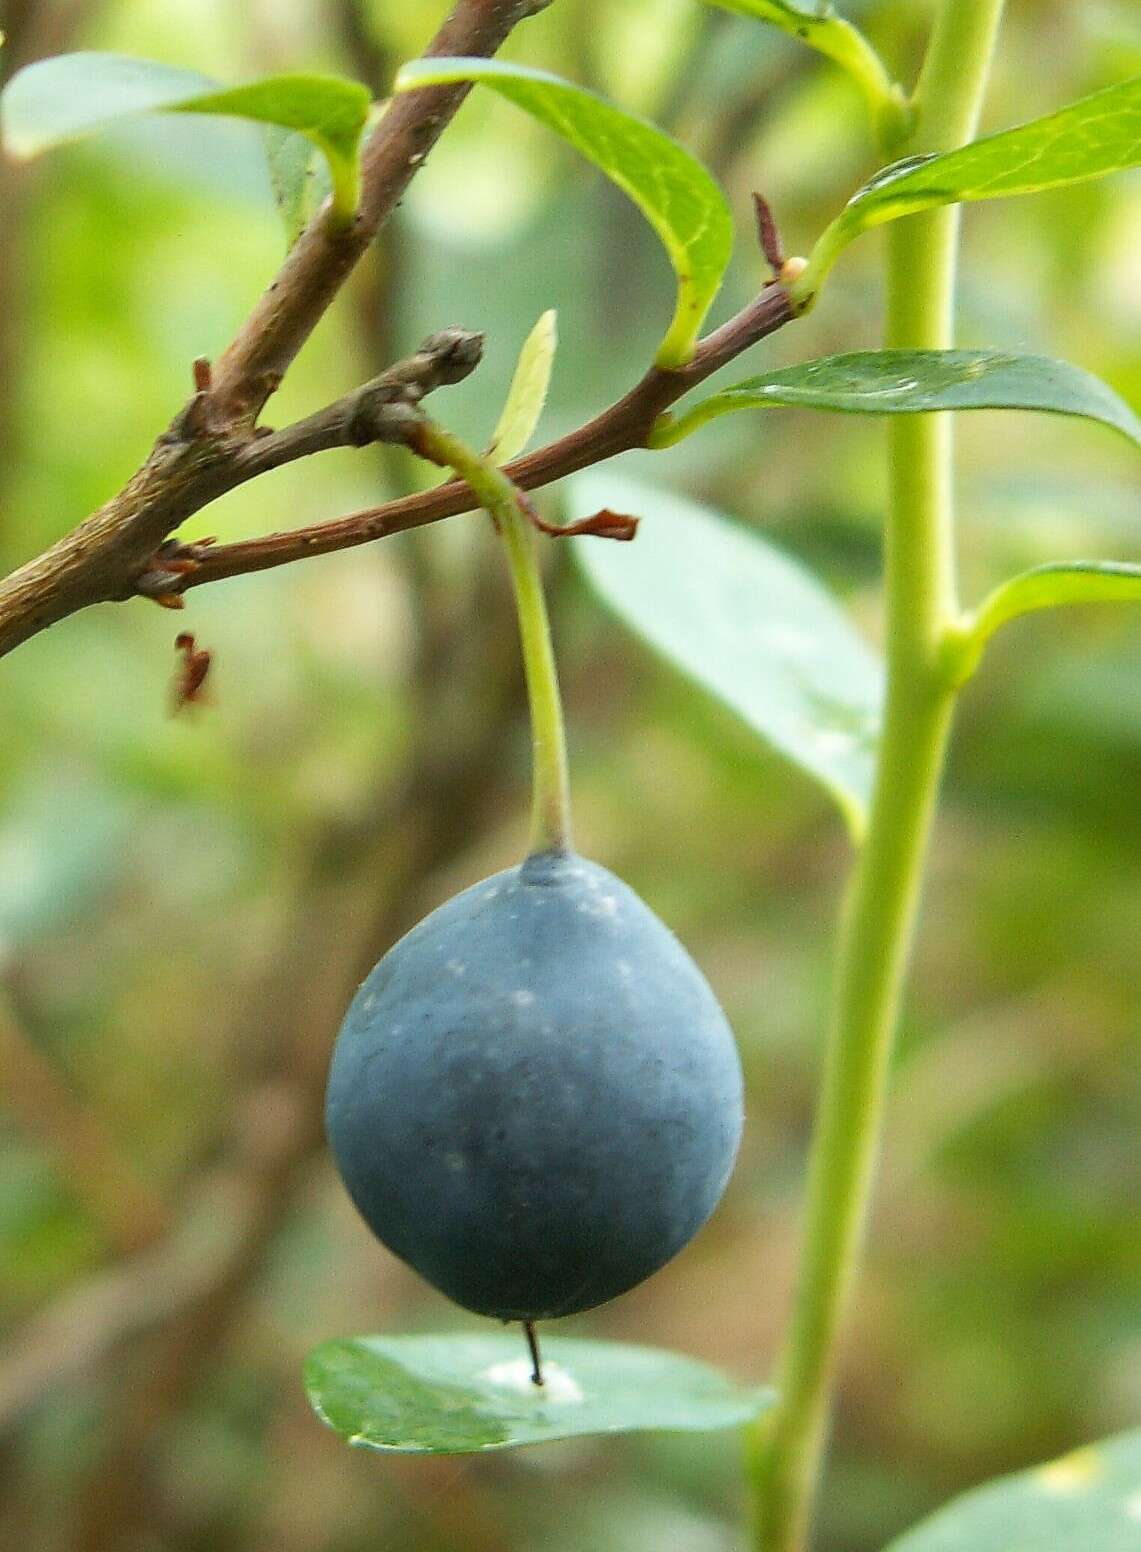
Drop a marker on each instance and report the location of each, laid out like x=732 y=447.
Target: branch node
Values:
x=166 y=572
x=192 y=423
x=455 y=353
x=375 y=417
x=387 y=409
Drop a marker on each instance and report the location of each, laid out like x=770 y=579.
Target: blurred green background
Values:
x=186 y=904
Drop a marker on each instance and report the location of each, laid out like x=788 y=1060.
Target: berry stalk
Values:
x=550 y=810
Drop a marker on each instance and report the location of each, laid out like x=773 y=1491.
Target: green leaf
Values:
x=671 y=188
x=1097 y=135
x=748 y=624
x=70 y=95
x=452 y=1395
x=60 y=99
x=528 y=392
x=1047 y=587
x=1089 y=1501
x=905 y=382
x=823 y=30
x=299 y=177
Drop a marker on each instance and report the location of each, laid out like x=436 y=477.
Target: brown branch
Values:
x=98 y=561
x=620 y=428
x=119 y=551
x=320 y=260
x=189 y=468
x=214 y=444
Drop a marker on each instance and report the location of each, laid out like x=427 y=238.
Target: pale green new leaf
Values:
x=299 y=177
x=528 y=392
x=671 y=188
x=905 y=382
x=823 y=30
x=1048 y=587
x=748 y=624
x=455 y=1395
x=1088 y=1501
x=71 y=95
x=1097 y=135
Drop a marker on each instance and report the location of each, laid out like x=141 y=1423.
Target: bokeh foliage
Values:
x=184 y=904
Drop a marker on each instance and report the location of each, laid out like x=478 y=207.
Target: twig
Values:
x=620 y=428
x=189 y=468
x=375 y=413
x=319 y=261
x=98 y=561
x=101 y=561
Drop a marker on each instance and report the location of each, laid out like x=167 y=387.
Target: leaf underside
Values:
x=747 y=623
x=63 y=98
x=1088 y=1501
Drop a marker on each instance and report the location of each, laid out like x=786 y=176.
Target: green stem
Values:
x=879 y=917
x=550 y=811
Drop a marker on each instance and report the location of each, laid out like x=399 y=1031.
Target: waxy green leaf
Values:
x=1097 y=135
x=748 y=624
x=823 y=30
x=1088 y=1501
x=528 y=392
x=1048 y=587
x=61 y=99
x=671 y=188
x=454 y=1395
x=906 y=382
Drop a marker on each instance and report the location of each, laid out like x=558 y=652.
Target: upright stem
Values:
x=550 y=810
x=880 y=910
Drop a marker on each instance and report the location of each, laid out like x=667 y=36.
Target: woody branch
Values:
x=215 y=443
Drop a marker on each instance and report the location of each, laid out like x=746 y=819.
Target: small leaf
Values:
x=452 y=1395
x=299 y=177
x=60 y=99
x=1097 y=135
x=1088 y=1501
x=823 y=30
x=747 y=624
x=671 y=188
x=905 y=382
x=528 y=392
x=1048 y=587
x=328 y=110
